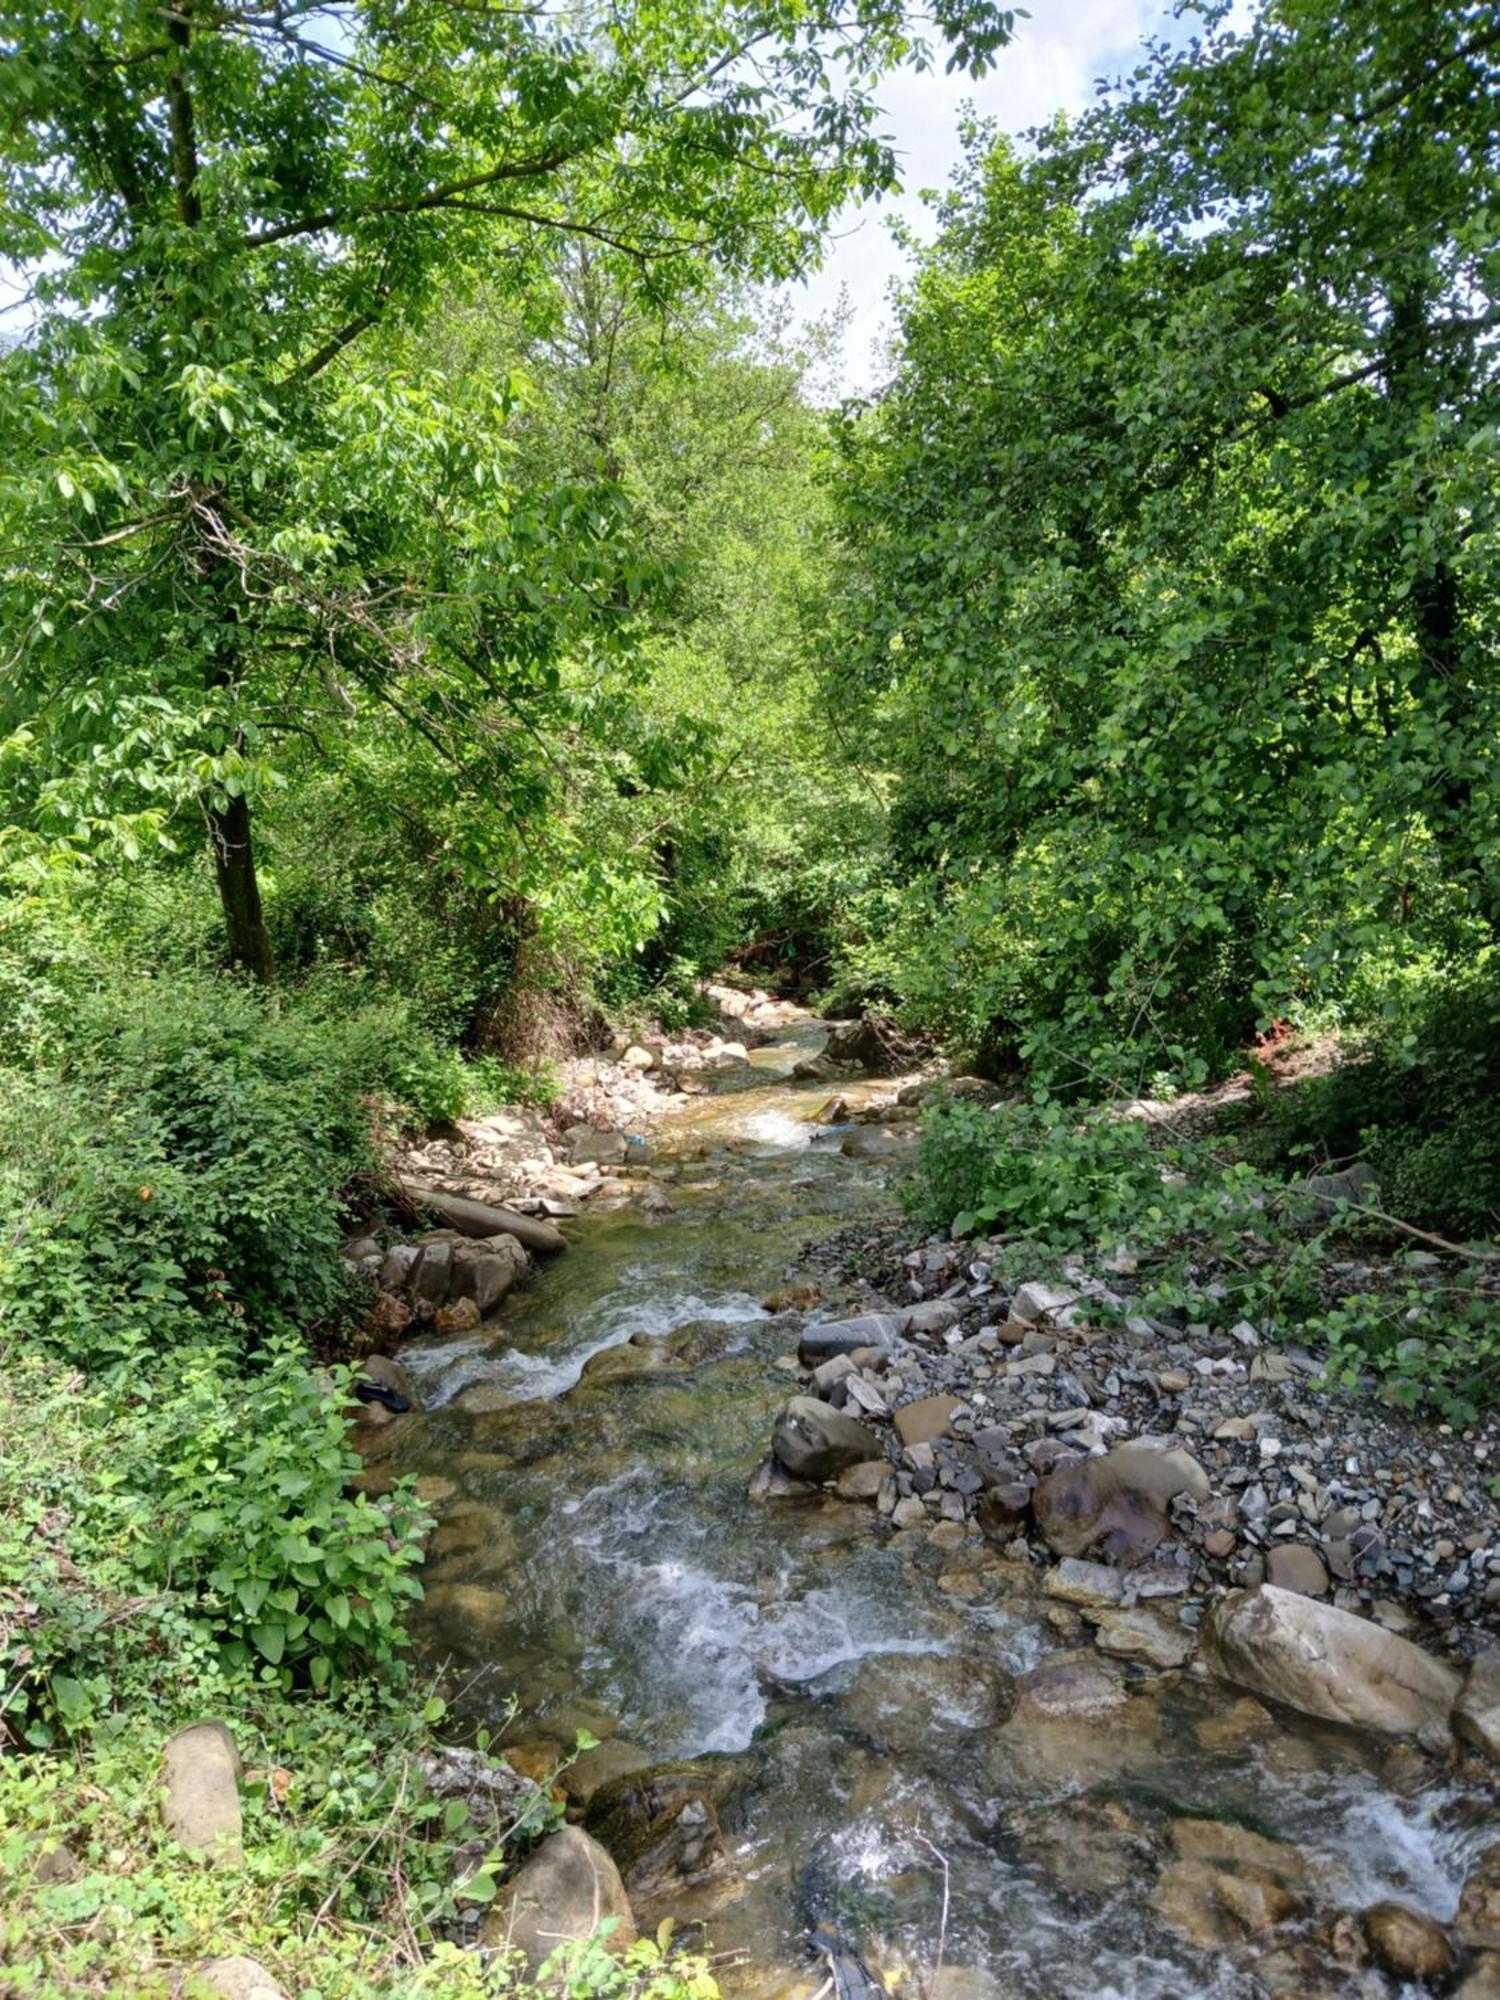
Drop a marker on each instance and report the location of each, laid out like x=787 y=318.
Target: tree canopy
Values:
x=1172 y=542
x=217 y=533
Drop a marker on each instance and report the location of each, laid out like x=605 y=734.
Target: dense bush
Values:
x=176 y=1166
x=1414 y=1095
x=203 y=1519
x=1208 y=1237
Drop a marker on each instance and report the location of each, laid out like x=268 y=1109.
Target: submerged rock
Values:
x=1330 y=1663
x=1072 y=1687
x=899 y=1702
x=1217 y=1908
x=1478 y=1919
x=1408 y=1943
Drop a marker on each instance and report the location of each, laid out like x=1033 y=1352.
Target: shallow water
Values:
x=634 y=1591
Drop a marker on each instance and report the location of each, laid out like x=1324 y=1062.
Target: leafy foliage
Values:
x=1171 y=549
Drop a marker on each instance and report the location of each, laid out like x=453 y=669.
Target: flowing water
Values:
x=599 y=1561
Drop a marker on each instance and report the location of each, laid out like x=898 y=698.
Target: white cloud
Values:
x=1051 y=66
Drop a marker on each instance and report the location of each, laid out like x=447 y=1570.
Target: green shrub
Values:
x=1040 y=1169
x=177 y=1170
x=202 y=1518
x=1414 y=1096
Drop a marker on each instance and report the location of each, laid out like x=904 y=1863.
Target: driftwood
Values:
x=480 y=1218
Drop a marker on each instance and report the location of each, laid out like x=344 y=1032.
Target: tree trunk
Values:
x=239 y=890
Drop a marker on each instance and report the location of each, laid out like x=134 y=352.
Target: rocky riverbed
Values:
x=978 y=1686
x=988 y=1394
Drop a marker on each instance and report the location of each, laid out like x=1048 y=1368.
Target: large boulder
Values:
x=201 y=1809
x=1330 y=1663
x=485 y=1271
x=566 y=1890
x=814 y=1441
x=1115 y=1504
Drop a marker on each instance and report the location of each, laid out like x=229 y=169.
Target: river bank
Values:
x=814 y=1708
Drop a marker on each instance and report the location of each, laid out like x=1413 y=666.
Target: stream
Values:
x=843 y=1687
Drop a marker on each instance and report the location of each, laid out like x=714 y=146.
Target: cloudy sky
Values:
x=1050 y=66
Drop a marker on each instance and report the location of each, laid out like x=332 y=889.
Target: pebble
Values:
x=1311 y=1491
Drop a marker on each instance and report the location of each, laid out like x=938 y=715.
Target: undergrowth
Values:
x=1212 y=1238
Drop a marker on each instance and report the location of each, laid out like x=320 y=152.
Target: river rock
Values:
x=771 y=1481
x=395 y=1267
x=926 y=1420
x=236 y=1978
x=1089 y=1583
x=589 y=1148
x=1147 y=1636
x=814 y=1441
x=1226 y=1845
x=1329 y=1663
x=1071 y=1687
x=1217 y=1908
x=1478 y=1919
x=847 y=1336
x=392 y=1378
x=1408 y=1944
x=681 y=1852
x=1001 y=1510
x=862 y=1481
x=1476 y=1715
x=1115 y=1503
x=566 y=1890
x=870 y=1142
x=388 y=1317
x=900 y=1702
x=1483 y=1979
x=432 y=1273
x=485 y=1271
x=967 y=1982
x=201 y=1809
x=591 y=1770
x=460 y=1317
x=1035 y=1302
x=1294 y=1566
x=468 y=1619
x=483 y=1219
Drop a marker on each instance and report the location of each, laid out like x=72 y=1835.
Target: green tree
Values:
x=218 y=532
x=1172 y=546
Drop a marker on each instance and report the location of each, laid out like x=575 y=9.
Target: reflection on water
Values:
x=637 y=1586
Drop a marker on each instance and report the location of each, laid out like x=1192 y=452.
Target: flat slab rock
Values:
x=925 y=1421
